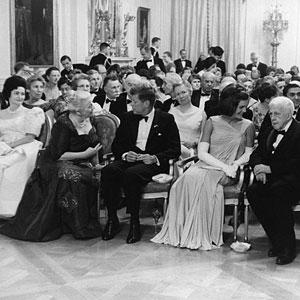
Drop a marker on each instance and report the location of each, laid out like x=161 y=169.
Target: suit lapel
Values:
x=134 y=127
x=298 y=115
x=286 y=138
x=270 y=141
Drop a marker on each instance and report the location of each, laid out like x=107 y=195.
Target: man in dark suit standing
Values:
x=155 y=45
x=217 y=53
x=102 y=57
x=69 y=66
x=276 y=165
x=145 y=142
x=255 y=64
x=182 y=62
x=148 y=60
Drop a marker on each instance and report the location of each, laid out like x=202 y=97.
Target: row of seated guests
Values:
x=179 y=95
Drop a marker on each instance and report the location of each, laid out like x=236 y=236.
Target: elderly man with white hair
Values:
x=276 y=165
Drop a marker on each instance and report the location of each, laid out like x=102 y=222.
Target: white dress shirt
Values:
x=106 y=105
x=143 y=131
x=150 y=63
x=183 y=62
x=129 y=106
x=280 y=136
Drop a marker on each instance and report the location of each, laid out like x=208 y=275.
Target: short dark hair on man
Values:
x=217 y=51
x=230 y=98
x=194 y=76
x=62 y=81
x=64 y=57
x=12 y=83
x=103 y=46
x=108 y=78
x=19 y=65
x=240 y=66
x=145 y=47
x=182 y=50
x=155 y=39
x=145 y=92
x=114 y=68
x=288 y=87
x=168 y=53
x=267 y=91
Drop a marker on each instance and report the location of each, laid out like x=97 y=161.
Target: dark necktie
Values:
x=277 y=132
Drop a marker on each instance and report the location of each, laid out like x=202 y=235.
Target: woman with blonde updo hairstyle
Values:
x=61 y=195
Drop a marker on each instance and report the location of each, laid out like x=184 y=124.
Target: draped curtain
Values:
x=226 y=24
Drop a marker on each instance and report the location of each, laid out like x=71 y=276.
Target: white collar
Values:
x=287 y=126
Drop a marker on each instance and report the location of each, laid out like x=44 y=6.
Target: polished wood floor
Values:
x=94 y=269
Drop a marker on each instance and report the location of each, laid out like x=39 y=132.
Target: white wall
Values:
x=257 y=40
x=160 y=23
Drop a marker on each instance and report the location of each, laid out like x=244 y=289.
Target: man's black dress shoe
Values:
x=272 y=253
x=286 y=257
x=111 y=229
x=134 y=234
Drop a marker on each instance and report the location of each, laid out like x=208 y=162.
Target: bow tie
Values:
x=147 y=60
x=205 y=94
x=109 y=100
x=140 y=117
x=277 y=132
x=128 y=101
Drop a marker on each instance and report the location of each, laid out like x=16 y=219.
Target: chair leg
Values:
x=235 y=221
x=165 y=207
x=246 y=222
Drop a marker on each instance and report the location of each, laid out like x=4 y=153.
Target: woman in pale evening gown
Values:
x=19 y=126
x=61 y=194
x=194 y=218
x=190 y=119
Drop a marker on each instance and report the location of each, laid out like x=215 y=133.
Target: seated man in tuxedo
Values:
x=276 y=165
x=69 y=66
x=102 y=58
x=292 y=91
x=182 y=62
x=208 y=81
x=110 y=99
x=155 y=45
x=145 y=142
x=257 y=65
x=148 y=60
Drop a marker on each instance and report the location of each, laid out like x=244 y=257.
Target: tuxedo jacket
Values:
x=267 y=125
x=153 y=50
x=100 y=59
x=142 y=64
x=118 y=107
x=179 y=67
x=163 y=140
x=262 y=68
x=284 y=161
x=83 y=67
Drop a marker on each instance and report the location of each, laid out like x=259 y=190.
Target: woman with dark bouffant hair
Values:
x=195 y=214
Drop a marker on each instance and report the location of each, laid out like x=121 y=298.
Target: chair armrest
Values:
x=183 y=162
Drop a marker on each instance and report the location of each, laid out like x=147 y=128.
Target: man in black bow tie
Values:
x=276 y=165
x=208 y=80
x=182 y=62
x=148 y=60
x=145 y=142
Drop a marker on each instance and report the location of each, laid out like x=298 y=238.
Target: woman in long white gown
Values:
x=18 y=148
x=195 y=214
